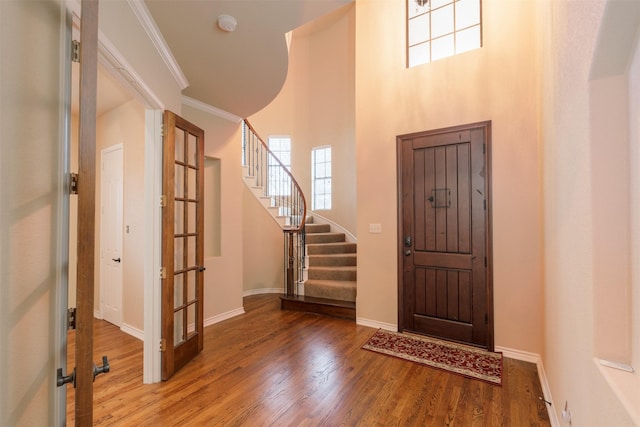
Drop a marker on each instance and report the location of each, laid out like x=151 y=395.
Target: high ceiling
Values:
x=241 y=71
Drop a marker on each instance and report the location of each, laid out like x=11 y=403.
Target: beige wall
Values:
x=126 y=125
x=120 y=26
x=634 y=154
x=32 y=240
x=316 y=108
x=585 y=166
x=263 y=242
x=497 y=83
x=223 y=279
x=250 y=242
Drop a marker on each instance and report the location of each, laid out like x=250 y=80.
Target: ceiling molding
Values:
x=210 y=109
x=144 y=17
x=115 y=63
x=113 y=59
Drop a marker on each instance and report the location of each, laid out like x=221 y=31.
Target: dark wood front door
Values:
x=445 y=286
x=182 y=243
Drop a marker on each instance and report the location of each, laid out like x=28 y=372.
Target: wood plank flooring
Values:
x=285 y=368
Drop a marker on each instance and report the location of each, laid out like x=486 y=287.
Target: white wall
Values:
x=32 y=241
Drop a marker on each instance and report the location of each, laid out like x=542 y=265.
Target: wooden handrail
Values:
x=298 y=227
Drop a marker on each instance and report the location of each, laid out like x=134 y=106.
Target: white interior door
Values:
x=111 y=234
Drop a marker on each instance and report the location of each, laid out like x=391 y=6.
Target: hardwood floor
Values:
x=285 y=368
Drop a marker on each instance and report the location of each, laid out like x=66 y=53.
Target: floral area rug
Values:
x=452 y=357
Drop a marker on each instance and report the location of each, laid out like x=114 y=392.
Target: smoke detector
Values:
x=227 y=23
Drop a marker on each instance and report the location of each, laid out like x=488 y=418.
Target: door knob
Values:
x=201 y=269
x=115 y=259
x=407 y=252
x=97 y=370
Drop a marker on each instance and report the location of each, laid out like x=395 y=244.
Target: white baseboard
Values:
x=526 y=356
x=375 y=324
x=134 y=332
x=263 y=291
x=223 y=316
x=97 y=314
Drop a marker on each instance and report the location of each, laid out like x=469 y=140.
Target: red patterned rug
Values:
x=452 y=357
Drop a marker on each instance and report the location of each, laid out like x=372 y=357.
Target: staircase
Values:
x=320 y=264
x=330 y=285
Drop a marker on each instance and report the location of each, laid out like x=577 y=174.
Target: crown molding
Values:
x=113 y=59
x=210 y=109
x=115 y=63
x=144 y=17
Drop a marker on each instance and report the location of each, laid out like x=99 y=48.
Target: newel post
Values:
x=290 y=262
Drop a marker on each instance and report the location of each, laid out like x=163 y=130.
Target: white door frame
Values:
x=119 y=67
x=153 y=245
x=111 y=285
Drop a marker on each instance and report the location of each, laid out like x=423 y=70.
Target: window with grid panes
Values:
x=279 y=183
x=321 y=178
x=440 y=28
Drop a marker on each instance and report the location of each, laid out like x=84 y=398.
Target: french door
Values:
x=182 y=243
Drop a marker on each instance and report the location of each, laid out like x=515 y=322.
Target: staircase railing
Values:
x=278 y=185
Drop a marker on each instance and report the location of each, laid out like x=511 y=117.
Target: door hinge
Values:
x=75 y=51
x=484 y=148
x=163 y=344
x=485 y=261
x=486 y=318
x=485 y=204
x=163 y=201
x=163 y=272
x=71 y=318
x=73 y=183
x=163 y=130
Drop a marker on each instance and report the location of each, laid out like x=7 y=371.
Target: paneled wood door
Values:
x=182 y=243
x=445 y=286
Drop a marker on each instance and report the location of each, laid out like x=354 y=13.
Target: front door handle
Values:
x=115 y=259
x=407 y=252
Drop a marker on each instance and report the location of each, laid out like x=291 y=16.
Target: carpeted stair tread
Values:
x=331 y=289
x=324 y=238
x=333 y=259
x=317 y=228
x=333 y=273
x=330 y=248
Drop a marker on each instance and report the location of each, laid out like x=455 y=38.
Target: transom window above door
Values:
x=440 y=28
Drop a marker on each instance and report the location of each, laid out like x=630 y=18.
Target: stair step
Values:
x=317 y=228
x=331 y=248
x=331 y=289
x=333 y=260
x=325 y=238
x=341 y=273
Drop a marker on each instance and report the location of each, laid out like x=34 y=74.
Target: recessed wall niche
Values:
x=212 y=207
